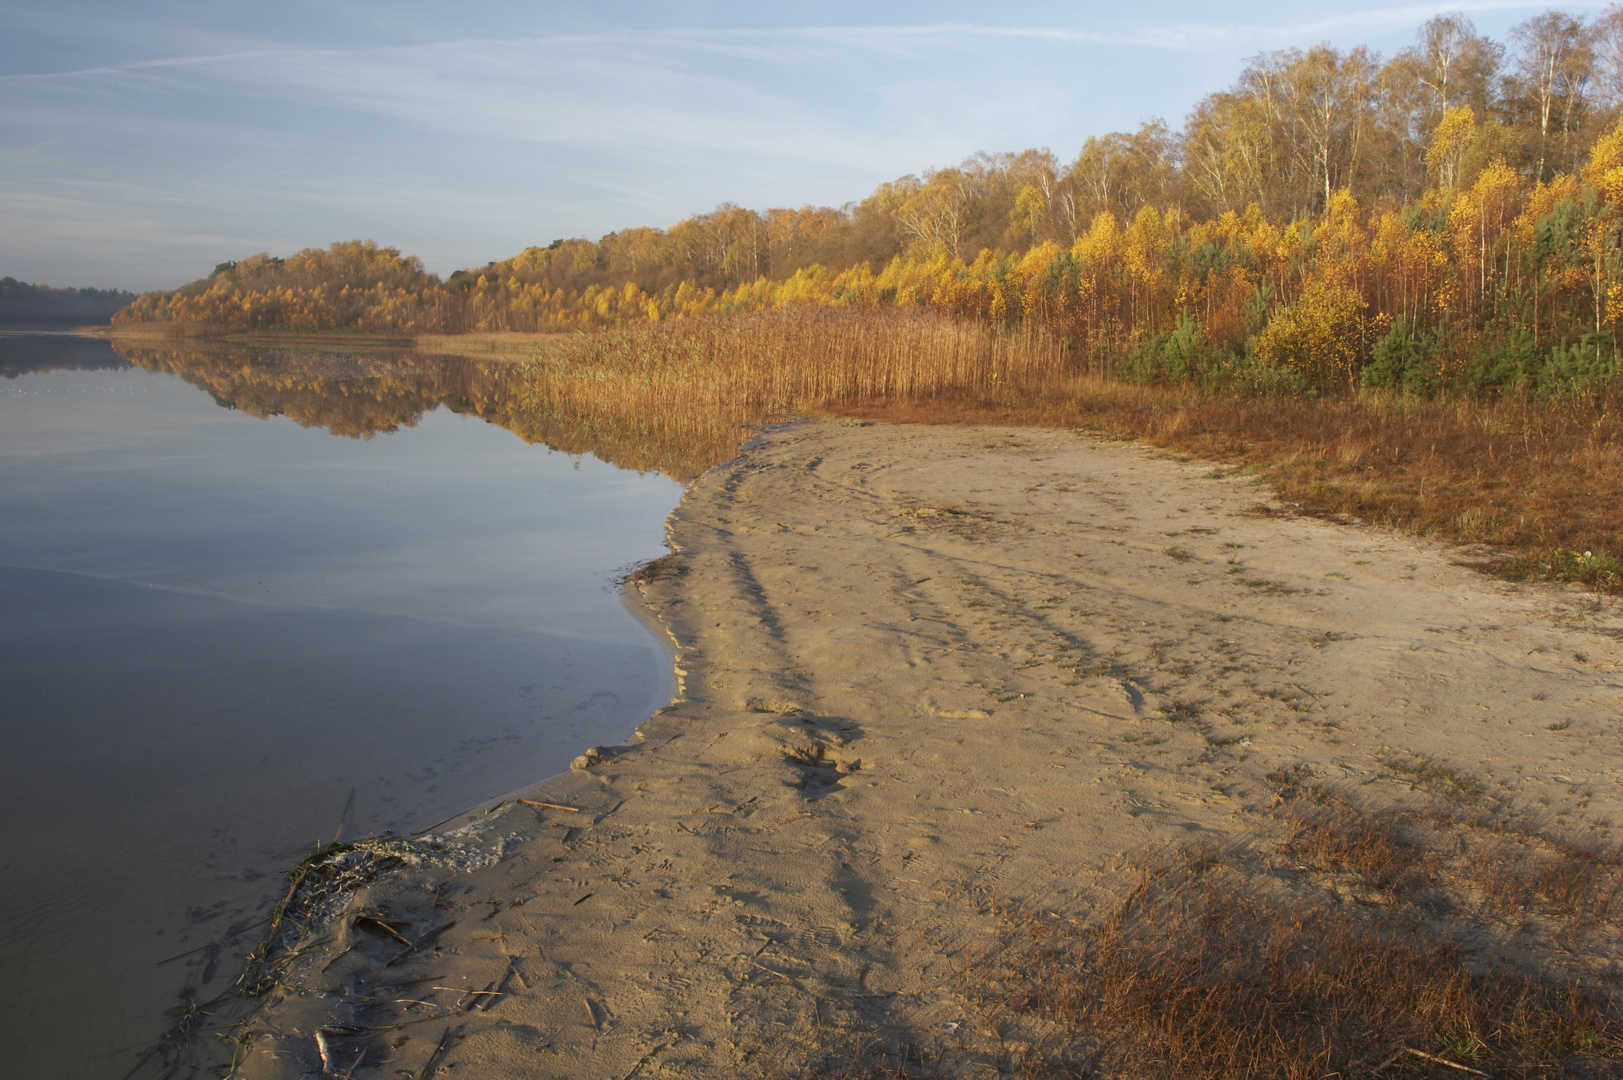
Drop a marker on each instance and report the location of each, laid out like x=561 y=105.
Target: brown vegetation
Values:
x=1526 y=480
x=1424 y=940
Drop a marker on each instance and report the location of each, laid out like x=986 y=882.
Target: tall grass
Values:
x=1531 y=480
x=686 y=394
x=796 y=359
x=1426 y=939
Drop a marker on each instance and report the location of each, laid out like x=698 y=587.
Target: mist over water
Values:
x=225 y=638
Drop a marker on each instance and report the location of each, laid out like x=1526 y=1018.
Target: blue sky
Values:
x=145 y=142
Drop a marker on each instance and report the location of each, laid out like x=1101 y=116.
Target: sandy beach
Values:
x=929 y=675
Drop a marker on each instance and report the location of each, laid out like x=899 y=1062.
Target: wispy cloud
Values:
x=1158 y=30
x=459 y=146
x=85 y=242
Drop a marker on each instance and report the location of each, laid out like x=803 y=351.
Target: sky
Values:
x=143 y=142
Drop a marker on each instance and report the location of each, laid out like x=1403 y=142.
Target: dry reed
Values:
x=1356 y=944
x=361 y=394
x=1530 y=480
x=688 y=392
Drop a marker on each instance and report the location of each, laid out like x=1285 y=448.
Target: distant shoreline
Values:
x=483 y=344
x=195 y=332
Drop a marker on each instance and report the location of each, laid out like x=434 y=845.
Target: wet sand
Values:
x=924 y=673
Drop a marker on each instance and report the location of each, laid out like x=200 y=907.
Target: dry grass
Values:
x=1444 y=937
x=1528 y=481
x=1400 y=942
x=361 y=394
x=1199 y=973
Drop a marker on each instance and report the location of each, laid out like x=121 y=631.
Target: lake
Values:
x=228 y=634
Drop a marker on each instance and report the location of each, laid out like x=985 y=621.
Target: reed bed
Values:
x=799 y=358
x=681 y=397
x=1527 y=480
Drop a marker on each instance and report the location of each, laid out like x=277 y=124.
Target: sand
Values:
x=927 y=673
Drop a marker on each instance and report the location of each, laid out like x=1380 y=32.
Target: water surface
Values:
x=226 y=636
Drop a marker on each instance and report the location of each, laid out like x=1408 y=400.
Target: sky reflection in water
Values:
x=223 y=639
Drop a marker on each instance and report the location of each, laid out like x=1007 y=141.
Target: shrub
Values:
x=1184 y=355
x=1510 y=365
x=1320 y=337
x=1402 y=361
x=1582 y=370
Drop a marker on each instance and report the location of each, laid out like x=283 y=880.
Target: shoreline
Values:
x=191 y=333
x=925 y=675
x=475 y=344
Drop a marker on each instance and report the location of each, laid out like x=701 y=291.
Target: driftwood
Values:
x=550 y=805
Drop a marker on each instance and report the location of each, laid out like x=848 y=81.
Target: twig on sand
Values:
x=493 y=992
x=382 y=927
x=433 y=1058
x=1433 y=1058
x=325 y=1052
x=337 y=957
x=326 y=1059
x=419 y=943
x=292 y=887
x=652 y=1050
x=550 y=805
x=769 y=971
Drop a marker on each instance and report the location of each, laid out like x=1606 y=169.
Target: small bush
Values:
x=1509 y=366
x=1184 y=355
x=1402 y=361
x=1320 y=337
x=1580 y=373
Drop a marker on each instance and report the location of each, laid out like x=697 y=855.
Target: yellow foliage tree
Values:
x=1320 y=337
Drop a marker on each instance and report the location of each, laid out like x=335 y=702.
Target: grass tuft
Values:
x=1223 y=964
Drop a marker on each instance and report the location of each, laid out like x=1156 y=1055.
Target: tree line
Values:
x=1448 y=216
x=23 y=304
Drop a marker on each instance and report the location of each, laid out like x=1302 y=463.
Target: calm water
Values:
x=225 y=638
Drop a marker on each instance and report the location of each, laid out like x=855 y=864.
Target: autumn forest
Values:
x=1449 y=217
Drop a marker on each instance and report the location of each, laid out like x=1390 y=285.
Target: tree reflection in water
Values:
x=360 y=392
